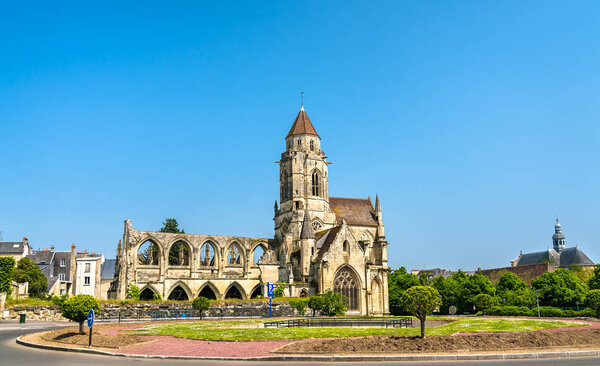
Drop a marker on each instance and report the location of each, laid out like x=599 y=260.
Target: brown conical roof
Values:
x=302 y=125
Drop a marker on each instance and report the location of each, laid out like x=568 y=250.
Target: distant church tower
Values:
x=558 y=239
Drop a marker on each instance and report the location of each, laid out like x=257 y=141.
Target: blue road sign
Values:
x=90 y=319
x=270 y=290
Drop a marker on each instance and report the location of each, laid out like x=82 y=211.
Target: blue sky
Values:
x=476 y=122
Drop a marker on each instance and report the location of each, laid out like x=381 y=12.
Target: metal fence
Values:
x=183 y=314
x=403 y=322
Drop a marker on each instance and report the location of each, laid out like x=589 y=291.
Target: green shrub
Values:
x=510 y=311
x=421 y=301
x=76 y=308
x=300 y=305
x=201 y=303
x=133 y=292
x=551 y=312
x=278 y=291
x=59 y=300
x=315 y=303
x=333 y=303
x=483 y=302
x=592 y=300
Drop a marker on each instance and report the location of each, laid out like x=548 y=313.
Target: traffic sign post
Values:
x=270 y=294
x=90 y=324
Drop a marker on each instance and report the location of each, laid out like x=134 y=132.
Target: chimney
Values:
x=51 y=248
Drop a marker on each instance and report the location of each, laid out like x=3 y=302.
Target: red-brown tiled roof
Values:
x=302 y=125
x=356 y=211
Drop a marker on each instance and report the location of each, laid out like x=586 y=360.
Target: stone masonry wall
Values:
x=147 y=310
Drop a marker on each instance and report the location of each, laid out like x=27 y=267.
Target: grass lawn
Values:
x=244 y=330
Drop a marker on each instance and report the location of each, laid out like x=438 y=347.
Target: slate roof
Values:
x=302 y=125
x=41 y=257
x=307 y=229
x=564 y=258
x=356 y=211
x=108 y=269
x=11 y=247
x=326 y=237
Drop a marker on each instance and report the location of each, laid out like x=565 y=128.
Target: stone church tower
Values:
x=315 y=232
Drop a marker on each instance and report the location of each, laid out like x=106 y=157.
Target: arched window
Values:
x=316 y=182
x=312 y=145
x=207 y=255
x=234 y=257
x=284 y=186
x=304 y=293
x=148 y=254
x=179 y=254
x=345 y=247
x=345 y=283
x=257 y=254
x=178 y=294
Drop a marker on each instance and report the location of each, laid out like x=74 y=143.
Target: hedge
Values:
x=545 y=311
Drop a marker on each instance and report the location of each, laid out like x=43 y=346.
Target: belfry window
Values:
x=312 y=145
x=315 y=184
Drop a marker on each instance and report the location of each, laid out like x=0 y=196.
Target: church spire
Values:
x=377 y=205
x=302 y=125
x=307 y=230
x=558 y=239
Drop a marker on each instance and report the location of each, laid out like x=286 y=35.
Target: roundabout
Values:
x=449 y=339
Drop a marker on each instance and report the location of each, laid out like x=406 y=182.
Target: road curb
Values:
x=461 y=357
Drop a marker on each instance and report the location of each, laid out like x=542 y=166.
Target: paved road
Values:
x=14 y=354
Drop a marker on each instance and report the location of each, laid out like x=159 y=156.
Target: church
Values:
x=320 y=243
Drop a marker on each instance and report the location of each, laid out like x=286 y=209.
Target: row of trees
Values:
x=562 y=288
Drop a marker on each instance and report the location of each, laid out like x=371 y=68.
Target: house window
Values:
x=61 y=276
x=86 y=280
x=87 y=267
x=62 y=291
x=63 y=262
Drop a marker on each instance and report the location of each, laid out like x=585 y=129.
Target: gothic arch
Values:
x=236 y=250
x=213 y=254
x=177 y=295
x=173 y=258
x=230 y=293
x=347 y=282
x=209 y=286
x=257 y=291
x=253 y=252
x=284 y=186
x=149 y=257
x=148 y=293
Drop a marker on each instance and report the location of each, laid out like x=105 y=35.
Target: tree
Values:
x=421 y=301
x=594 y=282
x=399 y=281
x=510 y=282
x=7 y=266
x=473 y=286
x=483 y=302
x=315 y=303
x=27 y=271
x=171 y=226
x=450 y=291
x=278 y=291
x=333 y=303
x=560 y=288
x=77 y=307
x=593 y=301
x=201 y=303
x=133 y=292
x=300 y=305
